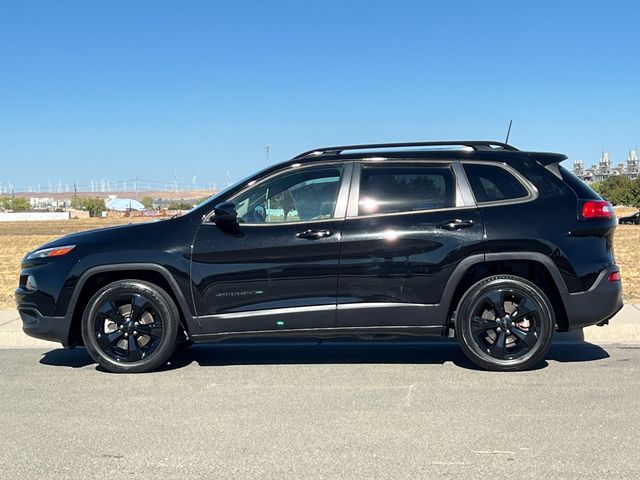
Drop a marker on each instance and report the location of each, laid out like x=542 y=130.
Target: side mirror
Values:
x=225 y=214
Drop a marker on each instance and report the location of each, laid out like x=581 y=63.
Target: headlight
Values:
x=51 y=252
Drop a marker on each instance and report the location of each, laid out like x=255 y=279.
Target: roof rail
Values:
x=474 y=144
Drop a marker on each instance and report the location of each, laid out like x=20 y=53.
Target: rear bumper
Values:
x=54 y=329
x=597 y=305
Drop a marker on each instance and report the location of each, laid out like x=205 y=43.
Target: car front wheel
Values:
x=505 y=323
x=130 y=326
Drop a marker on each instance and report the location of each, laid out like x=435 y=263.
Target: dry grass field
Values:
x=627 y=248
x=17 y=238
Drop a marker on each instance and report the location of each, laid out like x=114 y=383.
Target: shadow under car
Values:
x=335 y=351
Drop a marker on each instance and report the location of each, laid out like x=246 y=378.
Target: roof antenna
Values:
x=508 y=132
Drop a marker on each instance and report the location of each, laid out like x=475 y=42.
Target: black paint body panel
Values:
x=402 y=258
x=261 y=268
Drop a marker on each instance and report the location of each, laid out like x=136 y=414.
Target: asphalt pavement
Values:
x=297 y=410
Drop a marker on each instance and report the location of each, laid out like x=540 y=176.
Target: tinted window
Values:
x=582 y=189
x=294 y=196
x=490 y=183
x=405 y=188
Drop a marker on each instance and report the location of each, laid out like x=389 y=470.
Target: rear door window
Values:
x=491 y=183
x=405 y=188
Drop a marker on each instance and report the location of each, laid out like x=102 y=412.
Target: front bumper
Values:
x=596 y=305
x=54 y=329
x=44 y=309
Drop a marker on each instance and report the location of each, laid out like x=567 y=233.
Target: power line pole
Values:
x=268 y=149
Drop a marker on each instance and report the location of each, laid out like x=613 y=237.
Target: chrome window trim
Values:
x=354 y=192
x=266 y=224
x=529 y=187
x=343 y=193
x=462 y=182
x=313 y=308
x=341 y=199
x=270 y=311
x=463 y=200
x=363 y=305
x=413 y=212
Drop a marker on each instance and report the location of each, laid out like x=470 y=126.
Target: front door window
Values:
x=301 y=195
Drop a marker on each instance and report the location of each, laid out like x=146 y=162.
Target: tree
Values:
x=619 y=190
x=16 y=204
x=93 y=205
x=635 y=193
x=179 y=206
x=147 y=202
x=20 y=204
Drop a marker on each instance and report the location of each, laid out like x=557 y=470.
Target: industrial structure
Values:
x=605 y=169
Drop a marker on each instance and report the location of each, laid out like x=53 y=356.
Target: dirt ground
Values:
x=17 y=238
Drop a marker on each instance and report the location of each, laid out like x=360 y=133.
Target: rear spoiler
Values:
x=549 y=160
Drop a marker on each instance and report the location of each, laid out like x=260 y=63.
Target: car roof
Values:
x=459 y=149
x=444 y=150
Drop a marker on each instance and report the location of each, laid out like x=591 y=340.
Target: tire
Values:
x=130 y=326
x=505 y=323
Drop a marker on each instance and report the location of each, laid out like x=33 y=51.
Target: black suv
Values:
x=633 y=219
x=478 y=240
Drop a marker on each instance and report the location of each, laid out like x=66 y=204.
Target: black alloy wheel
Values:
x=505 y=323
x=130 y=326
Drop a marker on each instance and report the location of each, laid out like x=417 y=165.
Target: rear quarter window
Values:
x=583 y=190
x=491 y=183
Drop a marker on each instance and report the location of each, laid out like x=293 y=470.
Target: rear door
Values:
x=408 y=225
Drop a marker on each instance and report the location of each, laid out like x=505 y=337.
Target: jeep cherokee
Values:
x=497 y=247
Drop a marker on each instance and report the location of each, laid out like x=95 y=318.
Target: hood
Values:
x=98 y=234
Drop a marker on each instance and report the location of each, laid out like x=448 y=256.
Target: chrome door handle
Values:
x=314 y=234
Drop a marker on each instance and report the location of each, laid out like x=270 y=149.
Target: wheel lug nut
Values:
x=135 y=324
x=126 y=335
x=499 y=329
x=508 y=331
x=135 y=333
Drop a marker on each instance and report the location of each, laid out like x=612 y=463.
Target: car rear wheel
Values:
x=130 y=326
x=505 y=323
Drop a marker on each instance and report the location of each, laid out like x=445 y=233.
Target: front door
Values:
x=278 y=270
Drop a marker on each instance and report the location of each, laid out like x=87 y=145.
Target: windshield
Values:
x=212 y=199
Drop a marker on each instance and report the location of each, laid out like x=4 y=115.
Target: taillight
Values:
x=614 y=277
x=597 y=209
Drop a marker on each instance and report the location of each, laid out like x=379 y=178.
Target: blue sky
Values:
x=119 y=89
